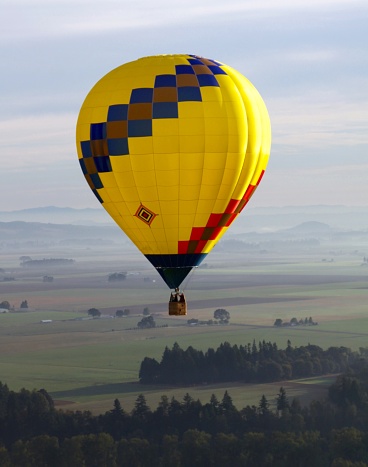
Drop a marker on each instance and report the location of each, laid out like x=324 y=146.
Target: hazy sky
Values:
x=308 y=59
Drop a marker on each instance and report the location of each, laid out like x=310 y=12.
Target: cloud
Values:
x=332 y=185
x=307 y=58
x=319 y=118
x=37 y=141
x=312 y=55
x=41 y=18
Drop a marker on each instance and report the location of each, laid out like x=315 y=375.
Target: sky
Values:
x=307 y=58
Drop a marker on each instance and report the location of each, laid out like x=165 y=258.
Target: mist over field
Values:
x=258 y=218
x=306 y=224
x=273 y=264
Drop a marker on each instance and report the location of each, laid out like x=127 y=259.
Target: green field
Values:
x=90 y=363
x=86 y=363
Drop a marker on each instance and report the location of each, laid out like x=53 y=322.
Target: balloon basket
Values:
x=177 y=309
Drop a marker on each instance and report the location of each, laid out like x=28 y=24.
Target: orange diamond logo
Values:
x=145 y=215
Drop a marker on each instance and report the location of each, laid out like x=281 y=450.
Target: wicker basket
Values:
x=177 y=308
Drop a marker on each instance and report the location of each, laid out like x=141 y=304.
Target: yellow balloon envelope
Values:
x=173 y=146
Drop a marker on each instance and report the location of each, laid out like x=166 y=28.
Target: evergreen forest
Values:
x=249 y=363
x=189 y=432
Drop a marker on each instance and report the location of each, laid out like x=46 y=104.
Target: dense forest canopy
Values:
x=190 y=433
x=249 y=363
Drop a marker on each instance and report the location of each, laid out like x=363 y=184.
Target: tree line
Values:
x=295 y=322
x=6 y=305
x=189 y=433
x=249 y=363
x=47 y=262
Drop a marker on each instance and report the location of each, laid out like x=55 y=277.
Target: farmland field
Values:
x=86 y=363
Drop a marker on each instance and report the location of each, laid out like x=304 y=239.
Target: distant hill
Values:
x=257 y=219
x=310 y=227
x=33 y=235
x=38 y=233
x=56 y=215
x=265 y=219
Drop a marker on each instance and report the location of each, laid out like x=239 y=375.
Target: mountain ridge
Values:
x=252 y=219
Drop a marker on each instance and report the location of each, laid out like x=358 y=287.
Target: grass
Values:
x=93 y=367
x=95 y=399
x=86 y=364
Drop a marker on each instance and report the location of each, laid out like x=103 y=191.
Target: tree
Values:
x=348 y=443
x=346 y=390
x=4 y=457
x=141 y=410
x=117 y=277
x=120 y=313
x=98 y=449
x=196 y=448
x=282 y=402
x=48 y=279
x=256 y=447
x=23 y=259
x=269 y=370
x=115 y=421
x=42 y=450
x=5 y=304
x=222 y=315
x=226 y=404
x=226 y=448
x=193 y=321
x=24 y=304
x=278 y=322
x=146 y=311
x=117 y=411
x=214 y=403
x=147 y=322
x=171 y=454
x=71 y=451
x=149 y=370
x=134 y=452
x=94 y=312
x=163 y=406
x=264 y=406
x=47 y=397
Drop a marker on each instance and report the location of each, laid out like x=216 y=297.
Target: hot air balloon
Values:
x=173 y=146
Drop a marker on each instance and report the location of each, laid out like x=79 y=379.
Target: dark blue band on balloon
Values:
x=174 y=268
x=176 y=261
